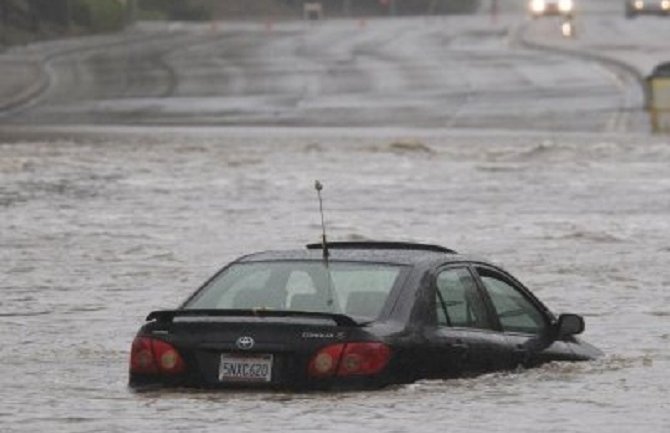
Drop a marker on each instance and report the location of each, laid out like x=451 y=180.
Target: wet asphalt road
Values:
x=453 y=72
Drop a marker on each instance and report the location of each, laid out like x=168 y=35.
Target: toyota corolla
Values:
x=352 y=315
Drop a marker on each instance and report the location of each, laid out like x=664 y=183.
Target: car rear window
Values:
x=355 y=289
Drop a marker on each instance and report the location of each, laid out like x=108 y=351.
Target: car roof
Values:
x=401 y=253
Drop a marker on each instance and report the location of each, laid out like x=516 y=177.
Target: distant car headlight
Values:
x=665 y=5
x=537 y=6
x=565 y=5
x=638 y=4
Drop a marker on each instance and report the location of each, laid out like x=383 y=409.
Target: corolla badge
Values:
x=245 y=343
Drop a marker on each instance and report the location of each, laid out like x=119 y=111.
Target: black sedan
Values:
x=357 y=315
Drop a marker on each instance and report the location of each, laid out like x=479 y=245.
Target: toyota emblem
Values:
x=244 y=343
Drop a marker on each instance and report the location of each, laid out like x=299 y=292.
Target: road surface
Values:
x=426 y=72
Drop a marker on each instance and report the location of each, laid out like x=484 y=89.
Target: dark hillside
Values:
x=22 y=21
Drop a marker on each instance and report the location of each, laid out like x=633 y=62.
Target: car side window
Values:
x=458 y=301
x=515 y=312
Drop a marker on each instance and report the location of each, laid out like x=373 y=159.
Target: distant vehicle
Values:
x=542 y=8
x=647 y=7
x=661 y=70
x=312 y=11
x=364 y=315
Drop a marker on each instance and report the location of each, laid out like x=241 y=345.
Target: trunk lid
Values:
x=248 y=348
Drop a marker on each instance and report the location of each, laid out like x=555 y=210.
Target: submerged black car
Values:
x=360 y=315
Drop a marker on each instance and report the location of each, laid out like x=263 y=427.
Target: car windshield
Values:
x=355 y=289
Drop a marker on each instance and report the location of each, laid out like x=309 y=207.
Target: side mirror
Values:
x=568 y=325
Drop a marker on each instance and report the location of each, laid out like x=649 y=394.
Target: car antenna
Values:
x=324 y=244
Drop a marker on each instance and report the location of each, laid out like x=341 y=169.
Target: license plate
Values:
x=245 y=368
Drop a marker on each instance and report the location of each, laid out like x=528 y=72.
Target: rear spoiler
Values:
x=169 y=315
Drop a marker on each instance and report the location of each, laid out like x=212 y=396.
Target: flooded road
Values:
x=101 y=225
x=180 y=147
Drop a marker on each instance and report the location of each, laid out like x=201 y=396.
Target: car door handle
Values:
x=521 y=355
x=520 y=350
x=461 y=348
x=459 y=345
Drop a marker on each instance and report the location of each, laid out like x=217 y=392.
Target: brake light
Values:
x=364 y=358
x=326 y=360
x=150 y=356
x=350 y=359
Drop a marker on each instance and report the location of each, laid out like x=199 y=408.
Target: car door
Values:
x=464 y=339
x=525 y=322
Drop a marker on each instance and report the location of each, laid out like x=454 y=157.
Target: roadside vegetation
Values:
x=23 y=21
x=218 y=9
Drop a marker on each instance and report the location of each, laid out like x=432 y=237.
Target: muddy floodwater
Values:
x=100 y=226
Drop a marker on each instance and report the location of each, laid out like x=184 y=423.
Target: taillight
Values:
x=364 y=358
x=168 y=359
x=326 y=361
x=149 y=356
x=350 y=359
x=142 y=357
